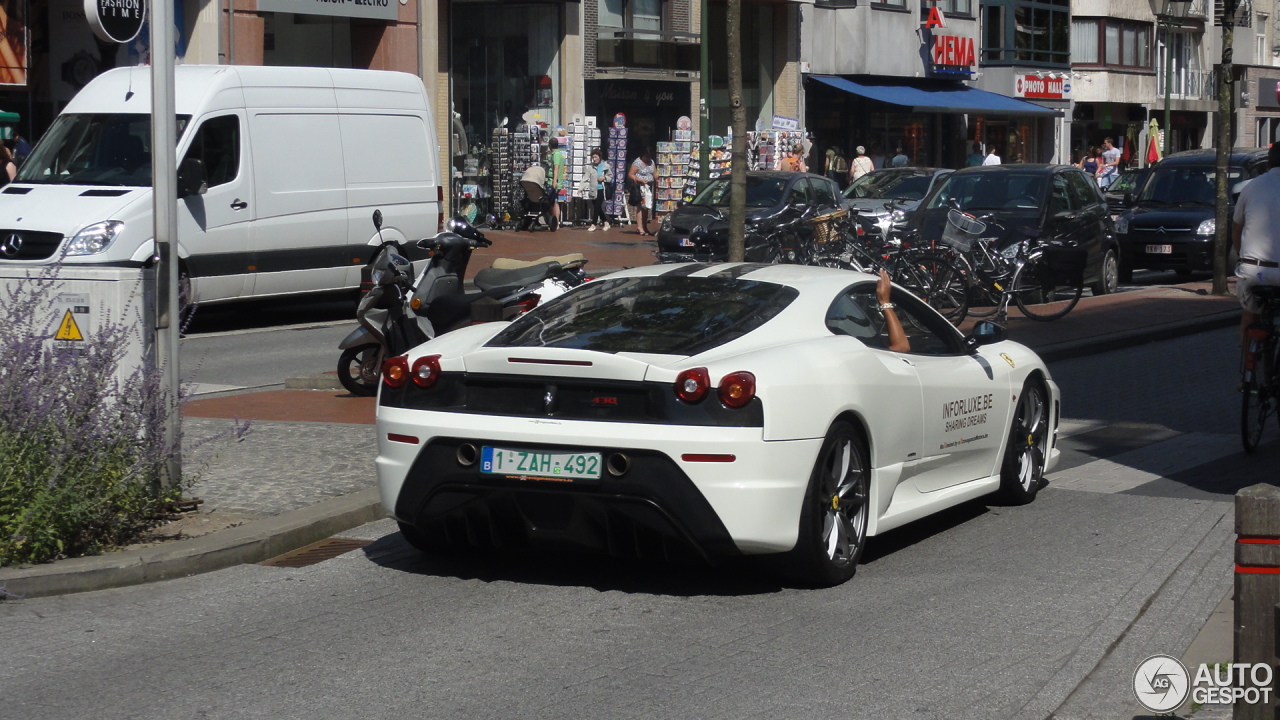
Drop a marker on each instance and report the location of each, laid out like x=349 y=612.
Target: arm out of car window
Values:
x=898 y=341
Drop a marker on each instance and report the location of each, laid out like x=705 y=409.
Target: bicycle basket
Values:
x=961 y=230
x=827 y=229
x=1065 y=265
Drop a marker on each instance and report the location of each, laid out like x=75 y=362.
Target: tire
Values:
x=1109 y=281
x=1039 y=296
x=947 y=289
x=833 y=519
x=1257 y=397
x=1027 y=449
x=358 y=370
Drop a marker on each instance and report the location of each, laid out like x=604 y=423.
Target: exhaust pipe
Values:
x=617 y=464
x=468 y=454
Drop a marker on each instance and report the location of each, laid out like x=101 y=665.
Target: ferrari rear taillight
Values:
x=395 y=371
x=693 y=384
x=426 y=371
x=737 y=389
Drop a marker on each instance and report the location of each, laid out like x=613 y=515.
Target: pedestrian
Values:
x=1110 y=164
x=603 y=175
x=1089 y=163
x=21 y=149
x=8 y=168
x=837 y=166
x=975 y=157
x=1255 y=235
x=901 y=159
x=861 y=165
x=790 y=161
x=559 y=180
x=797 y=151
x=640 y=192
x=992 y=158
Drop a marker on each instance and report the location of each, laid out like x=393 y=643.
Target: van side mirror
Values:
x=191 y=178
x=377 y=220
x=984 y=333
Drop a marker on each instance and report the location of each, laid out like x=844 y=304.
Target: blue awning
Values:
x=941 y=100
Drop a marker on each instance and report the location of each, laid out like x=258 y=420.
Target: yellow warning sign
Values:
x=68 y=330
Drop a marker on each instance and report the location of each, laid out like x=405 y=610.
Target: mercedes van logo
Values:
x=12 y=245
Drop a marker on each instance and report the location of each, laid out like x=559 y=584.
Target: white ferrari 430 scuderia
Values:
x=729 y=409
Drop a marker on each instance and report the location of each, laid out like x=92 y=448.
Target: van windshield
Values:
x=94 y=149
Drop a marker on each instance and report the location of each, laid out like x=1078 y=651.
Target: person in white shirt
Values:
x=1110 y=164
x=992 y=157
x=1255 y=235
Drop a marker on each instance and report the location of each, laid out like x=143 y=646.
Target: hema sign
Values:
x=371 y=9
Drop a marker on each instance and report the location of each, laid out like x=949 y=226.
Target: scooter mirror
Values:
x=377 y=220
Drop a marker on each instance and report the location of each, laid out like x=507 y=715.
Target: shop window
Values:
x=1027 y=33
x=1111 y=43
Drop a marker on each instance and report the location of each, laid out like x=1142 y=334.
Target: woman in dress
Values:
x=641 y=177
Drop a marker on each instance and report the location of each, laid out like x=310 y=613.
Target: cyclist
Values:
x=1255 y=235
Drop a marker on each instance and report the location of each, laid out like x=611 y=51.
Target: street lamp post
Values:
x=1169 y=12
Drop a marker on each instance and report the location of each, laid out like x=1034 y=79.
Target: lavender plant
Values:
x=82 y=451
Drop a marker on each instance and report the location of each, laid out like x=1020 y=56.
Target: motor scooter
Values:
x=399 y=312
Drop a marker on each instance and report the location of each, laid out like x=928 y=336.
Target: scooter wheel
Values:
x=358 y=370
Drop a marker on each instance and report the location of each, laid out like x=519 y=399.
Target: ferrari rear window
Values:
x=664 y=315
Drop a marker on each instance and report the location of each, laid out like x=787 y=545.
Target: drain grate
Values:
x=315 y=553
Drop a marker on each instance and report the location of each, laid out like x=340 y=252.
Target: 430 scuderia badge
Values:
x=1007 y=359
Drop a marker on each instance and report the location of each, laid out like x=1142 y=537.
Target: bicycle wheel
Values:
x=1042 y=296
x=1257 y=396
x=942 y=285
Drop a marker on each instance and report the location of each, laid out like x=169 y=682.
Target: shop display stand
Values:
x=673 y=164
x=616 y=193
x=582 y=138
x=473 y=191
x=692 y=171
x=502 y=182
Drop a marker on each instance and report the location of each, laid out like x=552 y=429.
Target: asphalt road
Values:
x=982 y=612
x=261 y=344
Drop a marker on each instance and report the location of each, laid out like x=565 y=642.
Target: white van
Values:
x=295 y=160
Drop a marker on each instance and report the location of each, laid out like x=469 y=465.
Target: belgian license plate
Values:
x=1159 y=249
x=534 y=465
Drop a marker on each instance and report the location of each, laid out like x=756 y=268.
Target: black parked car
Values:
x=1171 y=225
x=778 y=204
x=1052 y=202
x=903 y=187
x=1126 y=187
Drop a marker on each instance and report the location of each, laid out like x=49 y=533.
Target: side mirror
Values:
x=377 y=220
x=191 y=178
x=984 y=333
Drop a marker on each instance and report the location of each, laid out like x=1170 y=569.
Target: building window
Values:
x=954 y=7
x=1026 y=32
x=890 y=3
x=1111 y=43
x=1189 y=80
x=633 y=14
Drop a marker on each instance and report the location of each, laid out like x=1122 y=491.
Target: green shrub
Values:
x=82 y=453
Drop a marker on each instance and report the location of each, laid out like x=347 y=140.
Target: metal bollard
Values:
x=1257 y=586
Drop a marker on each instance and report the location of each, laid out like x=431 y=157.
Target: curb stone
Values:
x=252 y=542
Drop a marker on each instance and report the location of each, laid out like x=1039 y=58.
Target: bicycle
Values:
x=1259 y=364
x=931 y=276
x=1044 y=279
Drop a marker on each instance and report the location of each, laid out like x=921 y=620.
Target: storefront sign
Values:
x=936 y=18
x=1040 y=88
x=116 y=21
x=372 y=9
x=640 y=92
x=953 y=54
x=785 y=123
x=1269 y=92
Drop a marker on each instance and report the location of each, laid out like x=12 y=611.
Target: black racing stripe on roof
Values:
x=737 y=271
x=686 y=270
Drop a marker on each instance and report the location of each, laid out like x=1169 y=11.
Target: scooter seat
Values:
x=564 y=260
x=490 y=278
